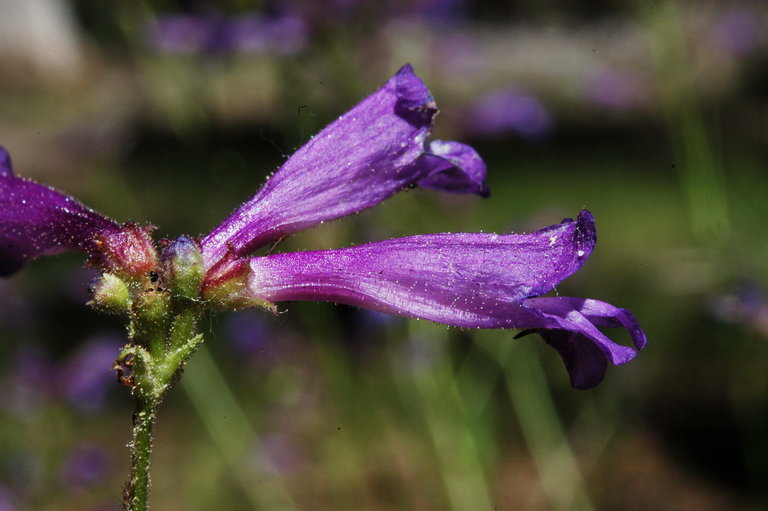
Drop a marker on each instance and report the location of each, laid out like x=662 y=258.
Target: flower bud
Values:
x=183 y=268
x=110 y=294
x=129 y=252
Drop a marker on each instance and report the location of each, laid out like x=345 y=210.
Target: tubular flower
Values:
x=379 y=147
x=37 y=220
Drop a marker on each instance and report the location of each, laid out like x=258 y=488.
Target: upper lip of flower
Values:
x=368 y=154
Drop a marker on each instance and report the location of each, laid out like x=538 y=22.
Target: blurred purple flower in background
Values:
x=747 y=306
x=738 y=31
x=183 y=33
x=88 y=372
x=7 y=501
x=31 y=381
x=508 y=111
x=85 y=466
x=283 y=34
x=83 y=378
x=616 y=89
x=278 y=454
x=216 y=33
x=439 y=12
x=249 y=334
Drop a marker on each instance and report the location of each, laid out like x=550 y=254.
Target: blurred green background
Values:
x=650 y=114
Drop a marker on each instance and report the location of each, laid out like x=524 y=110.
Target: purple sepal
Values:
x=37 y=220
x=361 y=159
x=453 y=167
x=466 y=280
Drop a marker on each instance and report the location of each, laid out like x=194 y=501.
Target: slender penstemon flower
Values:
x=379 y=147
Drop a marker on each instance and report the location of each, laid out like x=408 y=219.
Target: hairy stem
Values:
x=136 y=492
x=149 y=379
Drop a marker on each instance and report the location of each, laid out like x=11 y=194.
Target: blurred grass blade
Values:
x=526 y=383
x=452 y=432
x=701 y=173
x=231 y=432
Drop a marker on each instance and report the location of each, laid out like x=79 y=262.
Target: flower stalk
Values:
x=136 y=491
x=149 y=377
x=148 y=365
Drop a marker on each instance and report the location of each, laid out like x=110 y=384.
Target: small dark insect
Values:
x=153 y=276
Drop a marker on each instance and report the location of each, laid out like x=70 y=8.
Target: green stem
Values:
x=136 y=493
x=160 y=343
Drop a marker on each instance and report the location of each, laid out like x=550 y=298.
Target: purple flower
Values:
x=36 y=220
x=379 y=147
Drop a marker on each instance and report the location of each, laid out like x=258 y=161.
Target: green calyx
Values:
x=231 y=292
x=162 y=336
x=163 y=306
x=162 y=328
